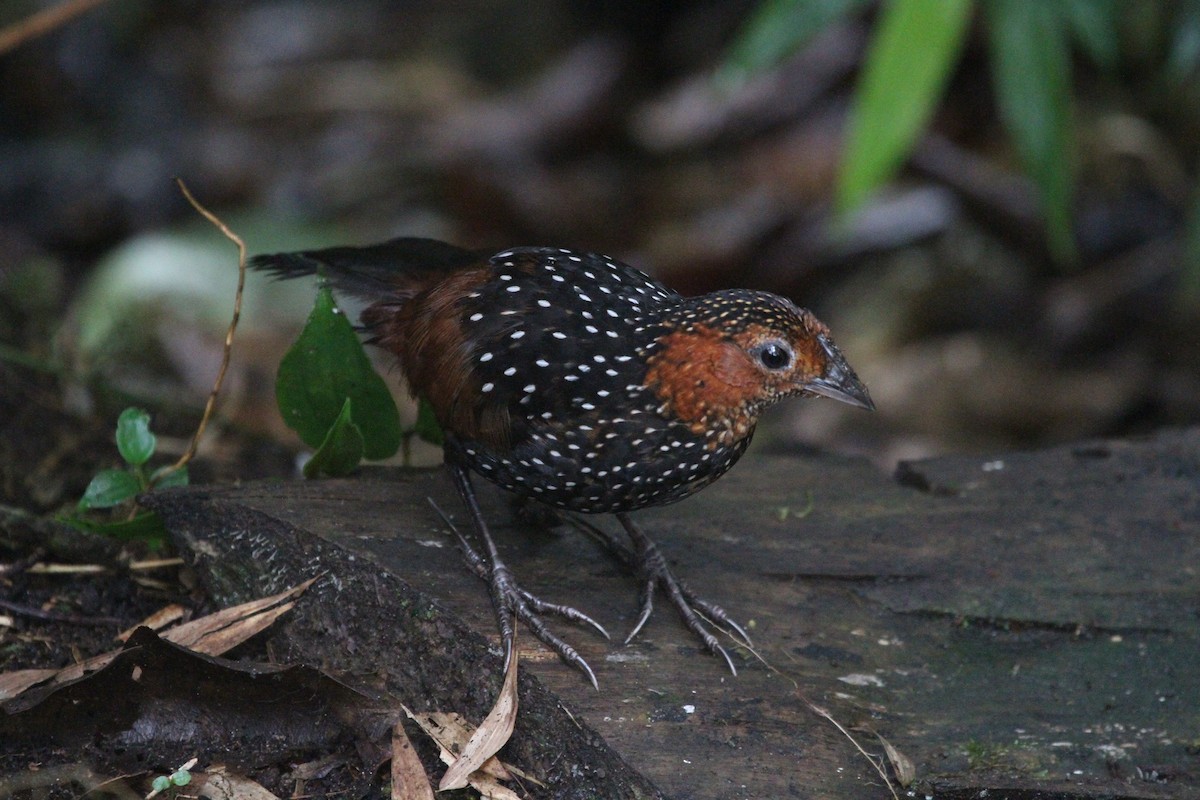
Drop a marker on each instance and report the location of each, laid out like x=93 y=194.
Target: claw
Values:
x=566 y=612
x=694 y=610
x=647 y=607
x=509 y=601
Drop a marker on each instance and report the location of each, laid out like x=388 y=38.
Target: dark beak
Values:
x=839 y=381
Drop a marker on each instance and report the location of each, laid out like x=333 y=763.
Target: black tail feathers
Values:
x=373 y=271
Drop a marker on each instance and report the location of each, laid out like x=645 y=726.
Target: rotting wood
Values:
x=1025 y=620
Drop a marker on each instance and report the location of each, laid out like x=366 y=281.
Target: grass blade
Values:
x=914 y=50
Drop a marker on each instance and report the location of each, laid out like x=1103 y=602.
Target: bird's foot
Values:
x=511 y=602
x=695 y=611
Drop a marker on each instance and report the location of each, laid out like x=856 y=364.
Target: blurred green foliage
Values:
x=914 y=51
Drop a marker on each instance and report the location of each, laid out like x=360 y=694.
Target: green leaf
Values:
x=427 y=426
x=134 y=440
x=1183 y=53
x=776 y=29
x=1095 y=25
x=325 y=367
x=341 y=450
x=1031 y=69
x=110 y=487
x=912 y=55
x=145 y=527
x=167 y=477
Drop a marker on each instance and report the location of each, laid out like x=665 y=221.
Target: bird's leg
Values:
x=509 y=600
x=653 y=570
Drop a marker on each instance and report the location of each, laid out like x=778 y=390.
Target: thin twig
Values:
x=875 y=761
x=237 y=313
x=42 y=22
x=20 y=565
x=52 y=616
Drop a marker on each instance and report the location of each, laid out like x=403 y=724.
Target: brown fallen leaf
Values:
x=15 y=682
x=218 y=783
x=225 y=629
x=212 y=635
x=409 y=781
x=491 y=789
x=491 y=735
x=450 y=732
x=156 y=621
x=902 y=765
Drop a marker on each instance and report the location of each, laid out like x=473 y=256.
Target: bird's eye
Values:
x=775 y=355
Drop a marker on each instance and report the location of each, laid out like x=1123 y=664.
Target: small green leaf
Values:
x=145 y=527
x=325 y=367
x=110 y=487
x=181 y=777
x=427 y=426
x=912 y=55
x=776 y=29
x=168 y=477
x=134 y=440
x=341 y=450
x=1031 y=69
x=161 y=783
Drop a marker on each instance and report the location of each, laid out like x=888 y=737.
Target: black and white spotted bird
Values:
x=581 y=382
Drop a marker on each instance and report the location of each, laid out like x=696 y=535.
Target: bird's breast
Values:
x=705 y=382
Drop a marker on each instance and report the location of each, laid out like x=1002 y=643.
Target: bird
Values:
x=578 y=381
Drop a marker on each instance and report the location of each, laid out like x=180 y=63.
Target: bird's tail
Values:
x=392 y=270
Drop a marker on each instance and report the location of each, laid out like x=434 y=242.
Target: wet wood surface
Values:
x=1026 y=624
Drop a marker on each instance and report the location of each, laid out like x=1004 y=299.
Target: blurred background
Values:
x=993 y=206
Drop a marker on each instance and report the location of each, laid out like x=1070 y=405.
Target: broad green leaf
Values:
x=776 y=29
x=913 y=53
x=134 y=440
x=109 y=488
x=427 y=425
x=325 y=367
x=341 y=450
x=1031 y=69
